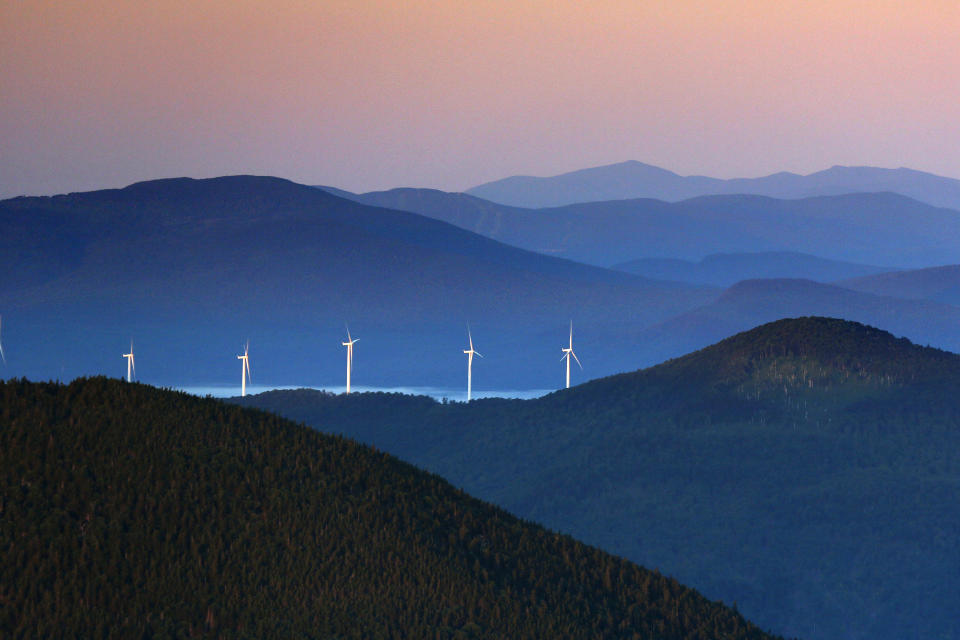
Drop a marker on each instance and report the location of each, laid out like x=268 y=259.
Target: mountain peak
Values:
x=634 y=179
x=827 y=349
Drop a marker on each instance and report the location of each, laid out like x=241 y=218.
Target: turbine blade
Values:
x=576 y=358
x=478 y=353
x=133 y=365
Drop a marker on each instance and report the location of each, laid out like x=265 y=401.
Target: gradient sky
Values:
x=450 y=94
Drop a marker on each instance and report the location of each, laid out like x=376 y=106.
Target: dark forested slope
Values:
x=807 y=470
x=132 y=512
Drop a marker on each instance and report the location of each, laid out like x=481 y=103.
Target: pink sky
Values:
x=449 y=94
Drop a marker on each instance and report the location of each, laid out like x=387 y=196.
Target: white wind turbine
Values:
x=131 y=369
x=2 y=357
x=349 y=345
x=245 y=369
x=567 y=352
x=470 y=353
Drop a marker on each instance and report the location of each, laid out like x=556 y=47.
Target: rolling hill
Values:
x=726 y=269
x=190 y=269
x=938 y=284
x=883 y=229
x=753 y=302
x=632 y=179
x=129 y=511
x=806 y=470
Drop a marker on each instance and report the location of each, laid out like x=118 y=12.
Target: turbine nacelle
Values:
x=349 y=345
x=470 y=353
x=245 y=369
x=567 y=352
x=131 y=367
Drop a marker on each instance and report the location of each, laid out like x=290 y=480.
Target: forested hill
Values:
x=827 y=362
x=130 y=512
x=806 y=469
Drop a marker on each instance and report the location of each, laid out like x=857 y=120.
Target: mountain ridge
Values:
x=634 y=179
x=885 y=229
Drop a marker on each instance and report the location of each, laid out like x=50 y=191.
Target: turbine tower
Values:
x=131 y=369
x=470 y=353
x=567 y=352
x=244 y=370
x=349 y=345
x=2 y=357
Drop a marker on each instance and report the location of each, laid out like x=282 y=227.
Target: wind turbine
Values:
x=470 y=353
x=349 y=345
x=569 y=352
x=2 y=357
x=131 y=369
x=244 y=370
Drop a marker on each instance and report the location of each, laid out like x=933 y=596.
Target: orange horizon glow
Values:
x=380 y=94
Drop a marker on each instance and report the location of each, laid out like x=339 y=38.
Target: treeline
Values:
x=132 y=512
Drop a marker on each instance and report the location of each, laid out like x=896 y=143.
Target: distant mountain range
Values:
x=882 y=229
x=628 y=180
x=726 y=269
x=806 y=470
x=135 y=512
x=751 y=303
x=191 y=269
x=938 y=284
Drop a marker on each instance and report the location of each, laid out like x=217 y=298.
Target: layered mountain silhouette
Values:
x=939 y=284
x=754 y=302
x=192 y=269
x=632 y=179
x=130 y=511
x=805 y=469
x=726 y=269
x=882 y=229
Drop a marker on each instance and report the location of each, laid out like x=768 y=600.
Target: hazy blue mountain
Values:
x=874 y=229
x=627 y=180
x=726 y=269
x=754 y=302
x=191 y=269
x=940 y=284
x=806 y=470
x=340 y=193
x=621 y=181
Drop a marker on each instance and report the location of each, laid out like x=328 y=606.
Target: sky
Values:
x=368 y=95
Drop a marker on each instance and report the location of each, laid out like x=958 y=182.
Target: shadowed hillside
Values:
x=128 y=511
x=806 y=470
